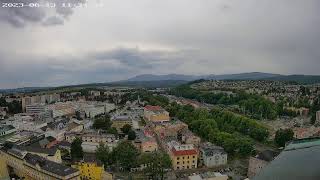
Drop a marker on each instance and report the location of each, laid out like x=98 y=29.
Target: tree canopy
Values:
x=103 y=154
x=103 y=122
x=283 y=136
x=156 y=164
x=76 y=149
x=125 y=155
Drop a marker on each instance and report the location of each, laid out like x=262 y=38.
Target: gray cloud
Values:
x=22 y=16
x=121 y=39
x=103 y=66
x=53 y=20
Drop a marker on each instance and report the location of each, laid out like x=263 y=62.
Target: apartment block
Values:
x=183 y=156
x=156 y=114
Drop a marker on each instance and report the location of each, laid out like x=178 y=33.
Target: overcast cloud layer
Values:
x=58 y=46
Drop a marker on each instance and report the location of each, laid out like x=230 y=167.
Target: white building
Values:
x=90 y=140
x=212 y=156
x=39 y=99
x=93 y=109
x=95 y=93
x=25 y=122
x=62 y=109
x=35 y=108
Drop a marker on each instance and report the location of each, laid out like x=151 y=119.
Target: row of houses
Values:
x=185 y=148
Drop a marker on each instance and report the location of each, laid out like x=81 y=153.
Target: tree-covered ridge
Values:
x=233 y=132
x=251 y=104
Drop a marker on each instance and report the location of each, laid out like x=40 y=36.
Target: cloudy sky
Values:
x=123 y=38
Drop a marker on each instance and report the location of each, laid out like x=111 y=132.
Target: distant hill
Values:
x=148 y=84
x=24 y=90
x=245 y=76
x=302 y=79
x=151 y=77
x=171 y=80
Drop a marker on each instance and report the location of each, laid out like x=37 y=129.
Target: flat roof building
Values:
x=299 y=160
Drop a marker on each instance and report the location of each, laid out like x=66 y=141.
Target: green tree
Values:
x=102 y=122
x=3 y=102
x=76 y=149
x=126 y=128
x=125 y=155
x=112 y=130
x=14 y=107
x=102 y=153
x=156 y=164
x=131 y=135
x=283 y=136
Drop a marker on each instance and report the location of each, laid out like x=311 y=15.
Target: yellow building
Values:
x=31 y=166
x=119 y=121
x=156 y=114
x=183 y=156
x=90 y=168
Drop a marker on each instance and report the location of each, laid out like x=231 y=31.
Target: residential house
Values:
x=170 y=129
x=183 y=156
x=185 y=136
x=212 y=156
x=144 y=142
x=156 y=114
x=91 y=139
x=119 y=121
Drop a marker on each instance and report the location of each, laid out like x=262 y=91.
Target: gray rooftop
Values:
x=299 y=160
x=49 y=166
x=210 y=149
x=37 y=149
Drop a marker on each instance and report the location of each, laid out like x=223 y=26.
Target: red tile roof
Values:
x=152 y=108
x=184 y=152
